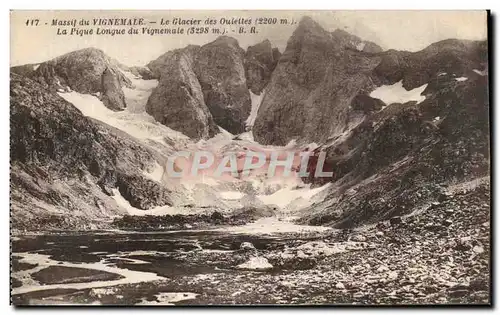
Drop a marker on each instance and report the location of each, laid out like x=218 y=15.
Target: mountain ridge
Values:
x=326 y=88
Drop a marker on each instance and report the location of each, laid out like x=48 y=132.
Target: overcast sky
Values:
x=402 y=30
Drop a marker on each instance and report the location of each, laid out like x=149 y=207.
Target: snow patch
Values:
x=287 y=195
x=441 y=74
x=256 y=101
x=139 y=125
x=271 y=225
x=481 y=73
x=461 y=79
x=360 y=46
x=36 y=67
x=396 y=93
x=247 y=136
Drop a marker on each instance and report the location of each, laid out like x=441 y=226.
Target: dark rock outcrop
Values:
x=111 y=93
x=349 y=41
x=177 y=101
x=366 y=103
x=219 y=67
x=142 y=193
x=161 y=63
x=260 y=61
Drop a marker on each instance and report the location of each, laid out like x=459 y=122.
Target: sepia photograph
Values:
x=253 y=157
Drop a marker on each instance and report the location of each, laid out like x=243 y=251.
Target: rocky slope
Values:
x=401 y=157
x=87 y=71
x=452 y=56
x=64 y=166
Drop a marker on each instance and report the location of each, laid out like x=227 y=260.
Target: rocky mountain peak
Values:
x=308 y=25
x=213 y=77
x=260 y=61
x=159 y=64
x=177 y=101
x=225 y=40
x=88 y=71
x=313 y=85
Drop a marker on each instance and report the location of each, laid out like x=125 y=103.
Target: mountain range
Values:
x=397 y=127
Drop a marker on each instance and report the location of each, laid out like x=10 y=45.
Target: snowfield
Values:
x=256 y=101
x=133 y=120
x=396 y=93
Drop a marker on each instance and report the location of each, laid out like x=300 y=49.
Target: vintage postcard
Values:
x=249 y=158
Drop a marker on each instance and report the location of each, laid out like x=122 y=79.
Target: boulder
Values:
x=247 y=246
x=256 y=263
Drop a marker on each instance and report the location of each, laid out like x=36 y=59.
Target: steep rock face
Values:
x=111 y=91
x=217 y=69
x=219 y=66
x=85 y=71
x=312 y=86
x=64 y=166
x=177 y=101
x=260 y=61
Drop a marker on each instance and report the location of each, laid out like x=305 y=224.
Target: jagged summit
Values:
x=224 y=39
x=260 y=61
x=177 y=101
x=307 y=24
x=88 y=71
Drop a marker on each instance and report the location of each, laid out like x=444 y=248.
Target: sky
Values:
x=401 y=30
